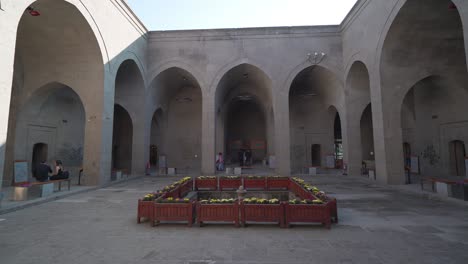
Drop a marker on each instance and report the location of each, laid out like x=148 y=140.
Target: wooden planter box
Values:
x=333 y=209
x=308 y=213
x=229 y=184
x=174 y=193
x=145 y=209
x=277 y=183
x=185 y=188
x=207 y=184
x=301 y=192
x=263 y=213
x=173 y=212
x=218 y=213
x=255 y=183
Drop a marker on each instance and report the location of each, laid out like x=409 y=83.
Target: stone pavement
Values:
x=377 y=225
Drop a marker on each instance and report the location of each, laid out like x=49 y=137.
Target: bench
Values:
x=29 y=184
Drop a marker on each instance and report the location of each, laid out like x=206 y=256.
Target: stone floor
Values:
x=377 y=225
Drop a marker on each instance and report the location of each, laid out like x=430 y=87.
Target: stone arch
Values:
x=244 y=89
x=311 y=93
x=179 y=92
x=78 y=66
x=125 y=58
x=427 y=123
x=122 y=140
x=53 y=115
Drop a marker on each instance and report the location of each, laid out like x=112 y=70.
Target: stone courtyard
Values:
x=377 y=225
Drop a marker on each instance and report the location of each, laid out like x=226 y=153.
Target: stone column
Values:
x=97 y=156
x=282 y=133
x=387 y=137
x=7 y=55
x=352 y=141
x=141 y=137
x=208 y=135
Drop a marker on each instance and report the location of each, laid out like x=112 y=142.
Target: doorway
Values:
x=40 y=152
x=457 y=158
x=316 y=155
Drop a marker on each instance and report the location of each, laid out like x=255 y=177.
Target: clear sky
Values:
x=205 y=14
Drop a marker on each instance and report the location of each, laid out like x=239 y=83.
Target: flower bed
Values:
x=226 y=210
x=185 y=188
x=145 y=205
x=173 y=210
x=300 y=191
x=277 y=183
x=230 y=183
x=206 y=183
x=308 y=212
x=261 y=210
x=255 y=182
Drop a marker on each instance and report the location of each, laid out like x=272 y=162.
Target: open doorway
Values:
x=316 y=155
x=457 y=158
x=40 y=152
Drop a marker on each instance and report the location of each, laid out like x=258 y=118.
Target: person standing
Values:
x=220 y=162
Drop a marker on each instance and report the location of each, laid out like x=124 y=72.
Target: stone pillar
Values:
x=98 y=132
x=387 y=137
x=7 y=55
x=141 y=137
x=282 y=133
x=208 y=135
x=462 y=7
x=352 y=141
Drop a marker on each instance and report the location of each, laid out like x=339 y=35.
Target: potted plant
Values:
x=145 y=205
x=173 y=210
x=230 y=182
x=277 y=182
x=218 y=210
x=206 y=183
x=308 y=211
x=254 y=182
x=262 y=210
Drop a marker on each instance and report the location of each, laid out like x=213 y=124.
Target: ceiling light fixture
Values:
x=33 y=12
x=244 y=97
x=184 y=99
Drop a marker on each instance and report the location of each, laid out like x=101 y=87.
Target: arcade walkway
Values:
x=377 y=225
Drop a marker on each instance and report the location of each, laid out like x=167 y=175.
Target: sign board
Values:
x=466 y=167
x=330 y=161
x=414 y=164
x=21 y=171
x=272 y=162
x=162 y=161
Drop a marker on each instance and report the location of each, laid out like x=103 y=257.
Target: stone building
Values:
x=87 y=83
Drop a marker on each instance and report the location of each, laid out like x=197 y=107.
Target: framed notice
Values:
x=414 y=164
x=330 y=159
x=21 y=171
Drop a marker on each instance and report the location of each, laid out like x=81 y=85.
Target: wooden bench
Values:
x=24 y=184
x=433 y=181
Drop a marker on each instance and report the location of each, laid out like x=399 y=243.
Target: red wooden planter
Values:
x=333 y=209
x=218 y=213
x=263 y=213
x=174 y=212
x=277 y=183
x=207 y=184
x=175 y=193
x=300 y=191
x=229 y=184
x=185 y=188
x=145 y=208
x=308 y=213
x=255 y=183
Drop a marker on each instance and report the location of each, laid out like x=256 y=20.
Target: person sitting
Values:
x=60 y=174
x=41 y=172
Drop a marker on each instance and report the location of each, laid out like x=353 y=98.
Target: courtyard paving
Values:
x=377 y=225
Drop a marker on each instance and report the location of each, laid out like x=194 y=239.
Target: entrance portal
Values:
x=245 y=131
x=457 y=158
x=40 y=152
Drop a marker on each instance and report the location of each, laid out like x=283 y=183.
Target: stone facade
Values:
x=394 y=71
